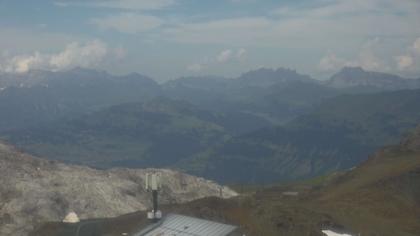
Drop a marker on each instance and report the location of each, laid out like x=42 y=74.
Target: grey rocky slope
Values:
x=34 y=190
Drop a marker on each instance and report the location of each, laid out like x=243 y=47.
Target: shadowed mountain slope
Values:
x=152 y=134
x=275 y=95
x=68 y=94
x=339 y=134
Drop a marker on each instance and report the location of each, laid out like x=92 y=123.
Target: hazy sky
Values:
x=171 y=38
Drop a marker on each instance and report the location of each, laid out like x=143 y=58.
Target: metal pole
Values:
x=155 y=200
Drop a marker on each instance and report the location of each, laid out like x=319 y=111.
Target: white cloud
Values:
x=90 y=54
x=241 y=53
x=328 y=24
x=128 y=23
x=351 y=9
x=411 y=59
x=404 y=62
x=120 y=53
x=338 y=26
x=229 y=55
x=326 y=10
x=120 y=4
x=224 y=56
x=366 y=58
x=23 y=63
x=77 y=55
x=331 y=63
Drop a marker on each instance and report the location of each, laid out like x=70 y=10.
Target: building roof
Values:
x=179 y=225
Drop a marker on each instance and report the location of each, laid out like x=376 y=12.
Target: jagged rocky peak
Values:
x=349 y=76
x=33 y=191
x=267 y=77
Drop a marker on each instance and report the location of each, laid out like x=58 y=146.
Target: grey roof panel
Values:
x=179 y=225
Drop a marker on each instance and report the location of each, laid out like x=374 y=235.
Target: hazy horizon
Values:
x=167 y=39
x=160 y=80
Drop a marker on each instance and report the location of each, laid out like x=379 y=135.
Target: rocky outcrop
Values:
x=33 y=191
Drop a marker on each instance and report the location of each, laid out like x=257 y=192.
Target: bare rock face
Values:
x=33 y=191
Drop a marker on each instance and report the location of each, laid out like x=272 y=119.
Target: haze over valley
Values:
x=277 y=125
x=216 y=118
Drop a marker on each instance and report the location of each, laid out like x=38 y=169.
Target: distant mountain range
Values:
x=275 y=95
x=356 y=77
x=72 y=93
x=339 y=134
x=275 y=125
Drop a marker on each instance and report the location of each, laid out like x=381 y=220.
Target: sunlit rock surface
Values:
x=34 y=190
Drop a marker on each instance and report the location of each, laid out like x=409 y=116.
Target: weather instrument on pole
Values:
x=153 y=185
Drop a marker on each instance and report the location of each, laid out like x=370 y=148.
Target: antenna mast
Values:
x=153 y=185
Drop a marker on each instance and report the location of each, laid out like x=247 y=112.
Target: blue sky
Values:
x=166 y=39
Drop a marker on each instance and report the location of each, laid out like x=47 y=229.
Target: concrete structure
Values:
x=179 y=225
x=71 y=218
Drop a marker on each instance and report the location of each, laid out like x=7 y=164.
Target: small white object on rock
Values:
x=332 y=233
x=71 y=218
